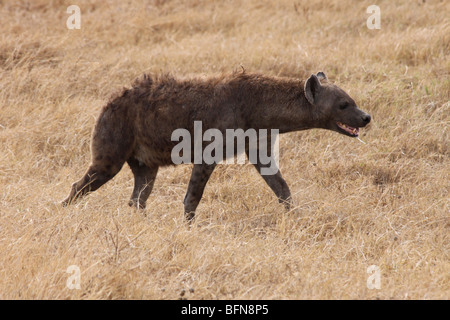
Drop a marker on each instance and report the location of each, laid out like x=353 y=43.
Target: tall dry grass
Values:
x=382 y=203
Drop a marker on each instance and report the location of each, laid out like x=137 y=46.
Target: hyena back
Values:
x=136 y=127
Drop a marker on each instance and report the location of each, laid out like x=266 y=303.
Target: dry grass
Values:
x=383 y=203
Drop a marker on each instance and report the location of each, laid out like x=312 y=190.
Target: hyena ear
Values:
x=321 y=76
x=312 y=87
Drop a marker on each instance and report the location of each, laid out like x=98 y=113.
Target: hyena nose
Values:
x=366 y=118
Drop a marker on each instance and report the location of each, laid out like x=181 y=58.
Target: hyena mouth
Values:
x=350 y=130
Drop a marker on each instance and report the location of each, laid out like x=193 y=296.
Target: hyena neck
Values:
x=280 y=103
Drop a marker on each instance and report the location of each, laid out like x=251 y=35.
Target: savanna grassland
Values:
x=383 y=202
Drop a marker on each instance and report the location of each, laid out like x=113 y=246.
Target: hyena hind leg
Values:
x=112 y=144
x=96 y=176
x=144 y=179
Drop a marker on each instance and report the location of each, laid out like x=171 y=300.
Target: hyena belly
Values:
x=152 y=155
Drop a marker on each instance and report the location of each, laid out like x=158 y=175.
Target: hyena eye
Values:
x=343 y=106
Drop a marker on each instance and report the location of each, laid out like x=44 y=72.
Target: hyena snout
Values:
x=366 y=118
x=359 y=118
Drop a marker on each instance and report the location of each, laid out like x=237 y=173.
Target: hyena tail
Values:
x=112 y=145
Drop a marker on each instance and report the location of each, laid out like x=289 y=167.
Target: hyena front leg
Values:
x=199 y=178
x=277 y=184
x=144 y=179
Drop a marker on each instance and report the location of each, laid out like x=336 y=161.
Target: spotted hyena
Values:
x=136 y=127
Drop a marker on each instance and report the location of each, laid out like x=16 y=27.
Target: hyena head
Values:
x=337 y=111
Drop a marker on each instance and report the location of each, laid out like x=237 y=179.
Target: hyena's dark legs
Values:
x=96 y=176
x=277 y=184
x=199 y=178
x=144 y=179
x=112 y=144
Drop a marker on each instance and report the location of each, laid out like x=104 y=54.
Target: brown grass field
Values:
x=382 y=203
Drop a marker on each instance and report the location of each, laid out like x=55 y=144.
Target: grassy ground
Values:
x=382 y=203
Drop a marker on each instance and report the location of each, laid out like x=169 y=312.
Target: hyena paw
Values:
x=136 y=204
